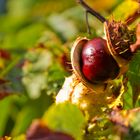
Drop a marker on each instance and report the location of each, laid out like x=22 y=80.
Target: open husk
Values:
x=119 y=39
x=76 y=65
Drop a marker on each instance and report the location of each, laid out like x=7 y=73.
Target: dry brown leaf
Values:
x=39 y=131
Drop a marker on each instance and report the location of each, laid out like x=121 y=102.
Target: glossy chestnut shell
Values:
x=98 y=65
x=76 y=65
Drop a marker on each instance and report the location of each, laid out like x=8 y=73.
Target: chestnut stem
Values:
x=87 y=23
x=91 y=11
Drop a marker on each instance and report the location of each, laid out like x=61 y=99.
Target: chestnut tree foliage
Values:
x=36 y=37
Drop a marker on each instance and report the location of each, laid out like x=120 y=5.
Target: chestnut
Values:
x=93 y=64
x=97 y=63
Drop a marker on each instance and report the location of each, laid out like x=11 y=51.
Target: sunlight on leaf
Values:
x=122 y=12
x=102 y=4
x=21 y=137
x=72 y=122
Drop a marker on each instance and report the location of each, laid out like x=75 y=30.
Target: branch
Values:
x=91 y=11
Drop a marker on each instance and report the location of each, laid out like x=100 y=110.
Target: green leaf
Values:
x=125 y=10
x=134 y=76
x=5 y=107
x=134 y=69
x=138 y=102
x=11 y=24
x=32 y=109
x=10 y=107
x=128 y=97
x=25 y=38
x=65 y=118
x=55 y=78
x=29 y=35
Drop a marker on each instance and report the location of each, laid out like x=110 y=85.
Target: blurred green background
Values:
x=35 y=41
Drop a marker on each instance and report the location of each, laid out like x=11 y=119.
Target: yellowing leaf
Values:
x=101 y=4
x=125 y=10
x=20 y=137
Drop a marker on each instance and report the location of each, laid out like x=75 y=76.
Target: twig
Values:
x=87 y=23
x=91 y=11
